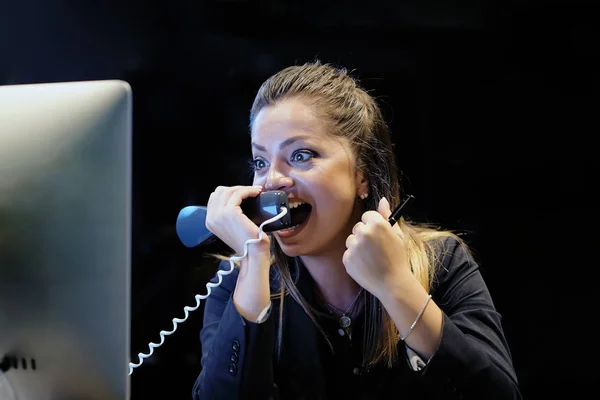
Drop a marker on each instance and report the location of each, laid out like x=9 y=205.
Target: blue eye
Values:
x=302 y=156
x=259 y=163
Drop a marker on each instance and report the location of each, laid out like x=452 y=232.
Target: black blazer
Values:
x=472 y=361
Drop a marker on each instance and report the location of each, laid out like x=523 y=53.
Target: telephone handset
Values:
x=266 y=206
x=191 y=221
x=269 y=210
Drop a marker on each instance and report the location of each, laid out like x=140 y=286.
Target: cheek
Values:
x=330 y=183
x=334 y=191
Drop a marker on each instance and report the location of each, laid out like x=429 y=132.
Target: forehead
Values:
x=288 y=118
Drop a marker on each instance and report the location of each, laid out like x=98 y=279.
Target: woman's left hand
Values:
x=375 y=255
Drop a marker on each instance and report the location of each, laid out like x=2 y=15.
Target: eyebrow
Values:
x=283 y=144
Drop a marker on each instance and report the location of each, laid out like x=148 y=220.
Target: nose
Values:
x=276 y=180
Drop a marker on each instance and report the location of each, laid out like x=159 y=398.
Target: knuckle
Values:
x=379 y=224
x=369 y=232
x=346 y=257
x=220 y=190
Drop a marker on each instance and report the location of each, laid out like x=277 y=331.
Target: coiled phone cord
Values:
x=209 y=286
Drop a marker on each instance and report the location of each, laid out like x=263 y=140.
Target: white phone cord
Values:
x=209 y=285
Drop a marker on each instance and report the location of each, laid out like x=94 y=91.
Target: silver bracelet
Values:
x=403 y=337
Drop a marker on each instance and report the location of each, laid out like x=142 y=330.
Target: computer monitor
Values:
x=65 y=246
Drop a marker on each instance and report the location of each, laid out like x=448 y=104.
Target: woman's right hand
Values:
x=225 y=219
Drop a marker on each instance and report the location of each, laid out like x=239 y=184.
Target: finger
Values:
x=357 y=227
x=346 y=258
x=351 y=241
x=217 y=198
x=384 y=208
x=220 y=195
x=211 y=198
x=372 y=217
x=240 y=193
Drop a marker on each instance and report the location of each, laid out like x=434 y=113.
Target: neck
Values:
x=327 y=269
x=331 y=279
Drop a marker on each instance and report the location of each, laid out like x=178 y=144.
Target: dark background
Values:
x=493 y=106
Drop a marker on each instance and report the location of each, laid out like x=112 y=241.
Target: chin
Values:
x=291 y=250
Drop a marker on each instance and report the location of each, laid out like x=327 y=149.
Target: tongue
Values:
x=300 y=214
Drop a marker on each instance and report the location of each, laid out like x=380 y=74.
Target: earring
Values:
x=364 y=195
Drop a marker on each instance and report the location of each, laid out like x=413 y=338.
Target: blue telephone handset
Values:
x=192 y=230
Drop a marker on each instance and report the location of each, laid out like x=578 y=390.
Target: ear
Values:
x=362 y=184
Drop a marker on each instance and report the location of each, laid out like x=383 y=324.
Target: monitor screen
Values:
x=65 y=227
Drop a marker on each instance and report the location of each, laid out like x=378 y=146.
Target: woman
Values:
x=343 y=304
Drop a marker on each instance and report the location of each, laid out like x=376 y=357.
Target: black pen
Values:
x=396 y=214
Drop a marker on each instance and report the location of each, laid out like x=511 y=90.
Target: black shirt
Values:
x=472 y=361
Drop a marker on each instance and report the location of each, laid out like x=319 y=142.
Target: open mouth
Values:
x=299 y=213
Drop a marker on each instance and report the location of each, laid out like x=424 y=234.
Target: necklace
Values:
x=345 y=321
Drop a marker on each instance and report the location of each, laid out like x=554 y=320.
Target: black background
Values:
x=493 y=107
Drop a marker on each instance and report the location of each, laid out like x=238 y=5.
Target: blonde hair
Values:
x=337 y=97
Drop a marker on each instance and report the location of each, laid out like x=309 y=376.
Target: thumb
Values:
x=385 y=211
x=384 y=208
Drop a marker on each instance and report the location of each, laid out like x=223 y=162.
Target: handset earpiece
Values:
x=266 y=206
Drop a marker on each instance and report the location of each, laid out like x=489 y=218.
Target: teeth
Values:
x=294 y=204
